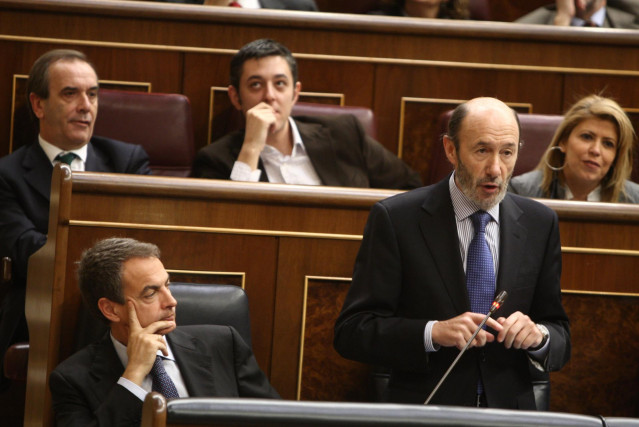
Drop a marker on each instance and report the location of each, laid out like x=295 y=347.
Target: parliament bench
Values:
x=292 y=248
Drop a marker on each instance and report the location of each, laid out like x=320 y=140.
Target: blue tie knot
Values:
x=480 y=219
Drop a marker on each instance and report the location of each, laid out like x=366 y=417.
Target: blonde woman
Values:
x=588 y=159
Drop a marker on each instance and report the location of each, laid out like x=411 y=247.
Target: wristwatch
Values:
x=544 y=331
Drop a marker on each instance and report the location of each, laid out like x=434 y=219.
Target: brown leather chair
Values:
x=537 y=131
x=159 y=122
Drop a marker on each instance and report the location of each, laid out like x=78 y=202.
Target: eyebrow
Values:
x=154 y=287
x=260 y=77
x=75 y=88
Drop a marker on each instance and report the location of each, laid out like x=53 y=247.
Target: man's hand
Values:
x=458 y=330
x=143 y=345
x=519 y=331
x=568 y=9
x=260 y=121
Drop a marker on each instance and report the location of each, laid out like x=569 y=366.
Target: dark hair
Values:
x=38 y=81
x=455 y=124
x=100 y=269
x=260 y=49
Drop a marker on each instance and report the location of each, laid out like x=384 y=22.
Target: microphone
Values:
x=499 y=300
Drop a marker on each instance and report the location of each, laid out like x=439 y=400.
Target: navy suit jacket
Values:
x=409 y=271
x=25 y=187
x=338 y=147
x=213 y=360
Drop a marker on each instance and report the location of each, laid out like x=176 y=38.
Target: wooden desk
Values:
x=293 y=250
x=407 y=70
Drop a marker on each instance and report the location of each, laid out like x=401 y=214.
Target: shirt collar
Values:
x=593 y=196
x=120 y=350
x=249 y=4
x=463 y=206
x=52 y=151
x=298 y=144
x=598 y=18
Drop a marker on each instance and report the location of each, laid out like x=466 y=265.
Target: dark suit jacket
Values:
x=266 y=4
x=615 y=18
x=409 y=271
x=25 y=186
x=213 y=360
x=340 y=151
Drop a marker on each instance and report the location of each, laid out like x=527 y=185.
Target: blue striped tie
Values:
x=480 y=271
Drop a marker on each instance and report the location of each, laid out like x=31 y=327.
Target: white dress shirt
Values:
x=78 y=164
x=280 y=168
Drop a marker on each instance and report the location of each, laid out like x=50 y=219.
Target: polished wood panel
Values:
x=603 y=370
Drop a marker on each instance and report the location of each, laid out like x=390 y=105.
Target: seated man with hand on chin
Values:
x=307 y=150
x=124 y=282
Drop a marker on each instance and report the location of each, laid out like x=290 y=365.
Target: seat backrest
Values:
x=159 y=122
x=537 y=131
x=364 y=115
x=198 y=304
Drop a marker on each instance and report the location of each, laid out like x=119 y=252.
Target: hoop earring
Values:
x=553 y=168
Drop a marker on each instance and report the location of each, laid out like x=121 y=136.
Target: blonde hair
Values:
x=593 y=106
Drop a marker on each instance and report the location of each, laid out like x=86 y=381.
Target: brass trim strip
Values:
x=213 y=230
x=302 y=333
x=322 y=57
x=599 y=251
x=596 y=293
x=210 y=273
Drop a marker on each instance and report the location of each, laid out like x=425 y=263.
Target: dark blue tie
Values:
x=161 y=381
x=66 y=158
x=480 y=271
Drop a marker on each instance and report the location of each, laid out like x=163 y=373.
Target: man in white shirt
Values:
x=308 y=150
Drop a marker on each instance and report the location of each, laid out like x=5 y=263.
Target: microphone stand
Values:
x=496 y=304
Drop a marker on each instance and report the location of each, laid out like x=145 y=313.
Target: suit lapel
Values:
x=439 y=230
x=319 y=146
x=512 y=242
x=95 y=162
x=196 y=368
x=106 y=368
x=38 y=170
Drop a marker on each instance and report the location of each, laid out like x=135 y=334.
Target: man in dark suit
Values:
x=276 y=147
x=123 y=282
x=586 y=13
x=409 y=308
x=63 y=95
x=308 y=5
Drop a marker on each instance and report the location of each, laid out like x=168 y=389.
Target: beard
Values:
x=469 y=185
